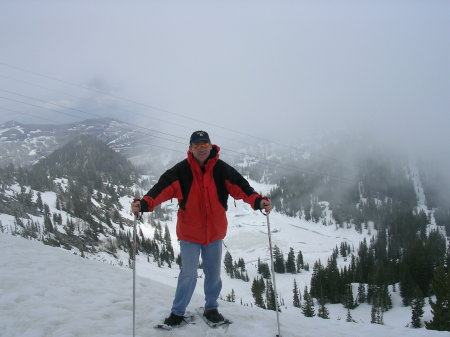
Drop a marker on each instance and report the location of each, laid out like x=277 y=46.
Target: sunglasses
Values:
x=199 y=146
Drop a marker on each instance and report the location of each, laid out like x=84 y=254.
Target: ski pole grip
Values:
x=265 y=213
x=134 y=200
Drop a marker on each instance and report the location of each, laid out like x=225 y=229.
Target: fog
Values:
x=284 y=71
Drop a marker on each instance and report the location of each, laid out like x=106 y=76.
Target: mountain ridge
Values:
x=24 y=144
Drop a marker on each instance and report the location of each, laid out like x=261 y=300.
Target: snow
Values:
x=414 y=174
x=18 y=128
x=47 y=291
x=421 y=200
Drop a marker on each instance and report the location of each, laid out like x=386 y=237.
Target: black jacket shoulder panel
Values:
x=181 y=172
x=220 y=174
x=186 y=178
x=237 y=179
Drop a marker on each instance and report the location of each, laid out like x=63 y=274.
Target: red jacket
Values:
x=202 y=196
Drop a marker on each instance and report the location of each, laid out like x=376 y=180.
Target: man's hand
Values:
x=136 y=206
x=266 y=205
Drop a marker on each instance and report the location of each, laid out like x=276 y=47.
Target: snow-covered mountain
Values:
x=25 y=144
x=47 y=292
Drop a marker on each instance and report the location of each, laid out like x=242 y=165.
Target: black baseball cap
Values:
x=199 y=136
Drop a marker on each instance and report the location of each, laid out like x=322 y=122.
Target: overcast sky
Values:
x=276 y=69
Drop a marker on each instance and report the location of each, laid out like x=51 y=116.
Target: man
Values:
x=201 y=183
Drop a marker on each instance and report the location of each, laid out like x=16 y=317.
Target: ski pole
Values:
x=134 y=269
x=273 y=273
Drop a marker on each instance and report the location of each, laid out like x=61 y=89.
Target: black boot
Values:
x=213 y=316
x=173 y=320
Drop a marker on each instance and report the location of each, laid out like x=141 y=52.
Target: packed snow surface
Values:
x=47 y=291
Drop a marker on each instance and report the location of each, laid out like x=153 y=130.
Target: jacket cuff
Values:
x=144 y=205
x=257 y=203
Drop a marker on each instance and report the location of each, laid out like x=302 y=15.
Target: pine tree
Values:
x=441 y=307
x=370 y=293
x=385 y=298
x=417 y=305
x=376 y=314
x=241 y=264
x=323 y=312
x=58 y=202
x=299 y=261
x=39 y=203
x=70 y=226
x=348 y=301
x=406 y=286
x=308 y=304
x=231 y=297
x=257 y=291
x=168 y=243
x=228 y=262
x=296 y=297
x=317 y=279
x=290 y=263
x=178 y=260
x=349 y=316
x=316 y=211
x=263 y=269
x=334 y=287
x=48 y=226
x=279 y=264
x=380 y=316
x=361 y=293
x=270 y=296
x=379 y=295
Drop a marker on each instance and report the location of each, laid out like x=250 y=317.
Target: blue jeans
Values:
x=187 y=279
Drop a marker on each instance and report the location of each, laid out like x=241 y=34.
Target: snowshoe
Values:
x=175 y=321
x=213 y=318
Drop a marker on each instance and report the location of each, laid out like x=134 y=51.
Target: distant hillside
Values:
x=88 y=161
x=350 y=181
x=84 y=180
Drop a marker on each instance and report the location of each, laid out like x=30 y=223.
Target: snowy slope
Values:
x=46 y=291
x=413 y=172
x=247 y=238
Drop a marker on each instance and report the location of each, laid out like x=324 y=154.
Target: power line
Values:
x=40 y=86
x=140 y=140
x=286 y=167
x=90 y=114
x=237 y=153
x=27 y=113
x=153 y=107
x=122 y=108
x=38 y=106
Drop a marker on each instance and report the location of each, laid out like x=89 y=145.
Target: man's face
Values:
x=201 y=151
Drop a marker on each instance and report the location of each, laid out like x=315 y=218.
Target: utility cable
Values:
x=153 y=107
x=143 y=130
